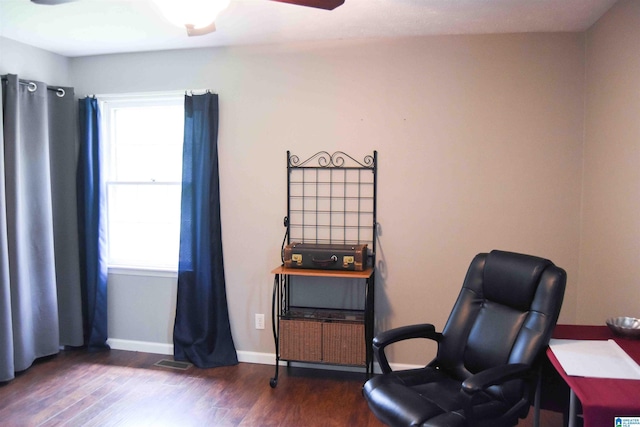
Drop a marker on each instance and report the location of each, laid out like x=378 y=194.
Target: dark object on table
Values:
x=326 y=256
x=628 y=327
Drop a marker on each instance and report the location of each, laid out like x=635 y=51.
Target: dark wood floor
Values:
x=119 y=388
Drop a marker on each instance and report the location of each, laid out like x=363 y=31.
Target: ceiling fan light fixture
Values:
x=192 y=14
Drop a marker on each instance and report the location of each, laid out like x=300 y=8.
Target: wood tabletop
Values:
x=364 y=274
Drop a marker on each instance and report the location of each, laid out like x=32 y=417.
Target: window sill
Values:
x=120 y=270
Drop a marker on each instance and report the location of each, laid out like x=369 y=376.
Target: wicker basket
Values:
x=343 y=343
x=300 y=340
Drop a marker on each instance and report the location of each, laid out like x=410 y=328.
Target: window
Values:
x=143 y=172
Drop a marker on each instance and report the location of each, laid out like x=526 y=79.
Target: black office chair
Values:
x=485 y=370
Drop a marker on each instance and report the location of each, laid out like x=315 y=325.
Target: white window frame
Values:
x=108 y=104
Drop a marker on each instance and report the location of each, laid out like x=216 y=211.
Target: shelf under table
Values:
x=324 y=314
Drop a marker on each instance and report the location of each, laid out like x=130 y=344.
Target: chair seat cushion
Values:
x=424 y=397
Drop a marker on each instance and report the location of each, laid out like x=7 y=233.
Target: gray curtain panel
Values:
x=29 y=311
x=63 y=156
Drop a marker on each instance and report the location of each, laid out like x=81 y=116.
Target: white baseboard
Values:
x=398 y=367
x=243 y=356
x=259 y=358
x=141 y=346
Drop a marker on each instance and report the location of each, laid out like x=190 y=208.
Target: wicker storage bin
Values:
x=343 y=343
x=300 y=340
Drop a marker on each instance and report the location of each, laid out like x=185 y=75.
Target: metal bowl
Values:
x=625 y=326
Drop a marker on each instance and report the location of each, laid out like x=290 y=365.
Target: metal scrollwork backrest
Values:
x=338 y=159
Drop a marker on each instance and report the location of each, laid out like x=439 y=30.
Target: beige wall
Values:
x=479 y=141
x=610 y=246
x=482 y=141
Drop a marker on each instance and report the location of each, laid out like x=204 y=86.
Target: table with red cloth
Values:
x=602 y=399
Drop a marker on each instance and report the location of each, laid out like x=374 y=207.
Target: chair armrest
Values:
x=496 y=375
x=492 y=376
x=391 y=336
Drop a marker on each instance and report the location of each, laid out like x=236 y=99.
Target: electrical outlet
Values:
x=259 y=321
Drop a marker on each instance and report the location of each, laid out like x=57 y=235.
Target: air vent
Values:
x=166 y=363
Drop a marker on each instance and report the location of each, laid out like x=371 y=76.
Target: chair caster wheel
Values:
x=273 y=382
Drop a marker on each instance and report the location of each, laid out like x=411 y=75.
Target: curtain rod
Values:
x=191 y=92
x=115 y=96
x=33 y=86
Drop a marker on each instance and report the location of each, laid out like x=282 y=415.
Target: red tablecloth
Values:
x=602 y=399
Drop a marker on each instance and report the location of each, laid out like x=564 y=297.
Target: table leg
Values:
x=572 y=409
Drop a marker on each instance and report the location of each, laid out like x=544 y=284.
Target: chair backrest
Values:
x=505 y=313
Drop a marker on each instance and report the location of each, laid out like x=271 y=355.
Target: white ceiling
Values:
x=92 y=27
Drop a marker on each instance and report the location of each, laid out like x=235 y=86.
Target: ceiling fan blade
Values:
x=320 y=4
x=51 y=2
